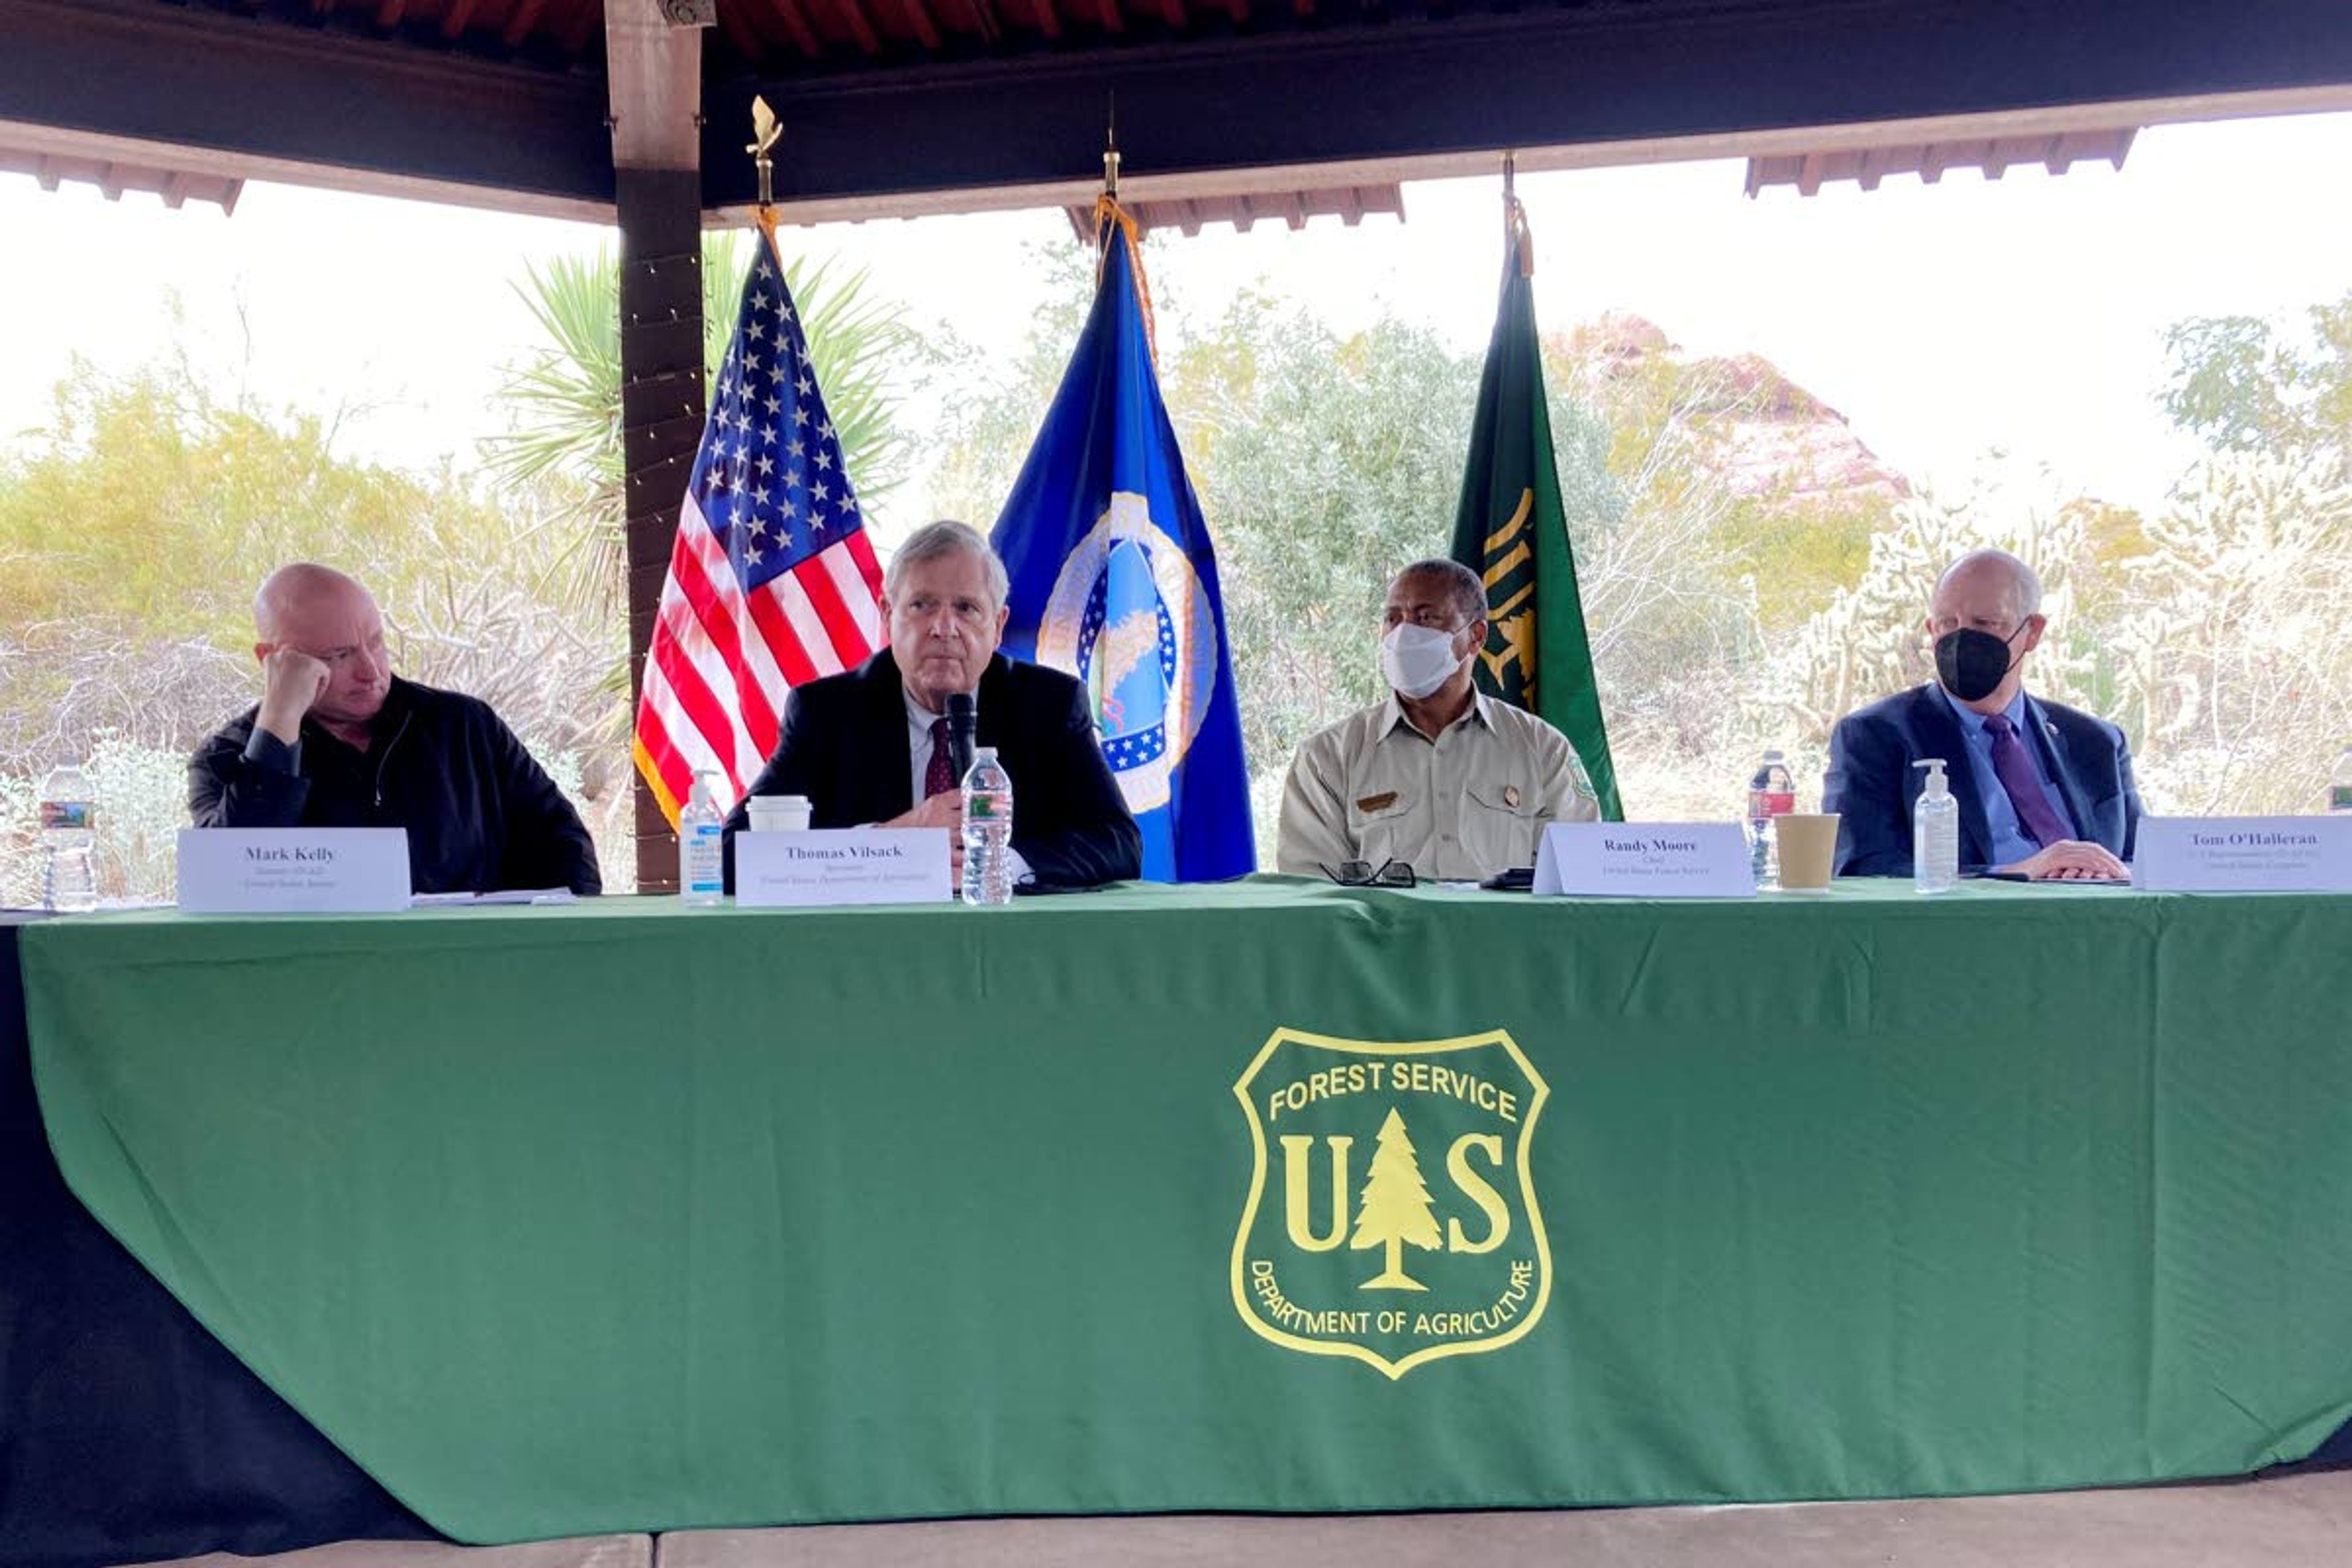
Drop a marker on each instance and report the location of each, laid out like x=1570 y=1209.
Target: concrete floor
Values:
x=2288 y=1521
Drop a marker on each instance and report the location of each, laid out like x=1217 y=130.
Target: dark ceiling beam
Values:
x=1285 y=93
x=518 y=26
x=585 y=21
x=853 y=12
x=797 y=23
x=205 y=79
x=735 y=21
x=927 y=33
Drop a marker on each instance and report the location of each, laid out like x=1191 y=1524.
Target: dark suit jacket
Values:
x=844 y=745
x=1871 y=783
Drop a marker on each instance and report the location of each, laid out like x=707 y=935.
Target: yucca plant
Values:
x=564 y=398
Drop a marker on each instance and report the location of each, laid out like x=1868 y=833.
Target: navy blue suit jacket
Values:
x=844 y=745
x=1872 y=783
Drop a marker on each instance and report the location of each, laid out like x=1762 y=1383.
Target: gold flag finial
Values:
x=766 y=131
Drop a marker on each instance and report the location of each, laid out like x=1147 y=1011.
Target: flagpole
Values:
x=1516 y=236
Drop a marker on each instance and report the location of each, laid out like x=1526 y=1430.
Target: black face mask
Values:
x=1971 y=664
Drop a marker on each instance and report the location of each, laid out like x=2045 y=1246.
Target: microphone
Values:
x=963 y=725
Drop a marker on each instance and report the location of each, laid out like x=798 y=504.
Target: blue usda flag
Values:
x=1114 y=581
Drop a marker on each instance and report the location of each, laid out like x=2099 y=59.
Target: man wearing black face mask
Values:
x=2045 y=791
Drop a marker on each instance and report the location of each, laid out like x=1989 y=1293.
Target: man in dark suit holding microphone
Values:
x=886 y=744
x=2045 y=791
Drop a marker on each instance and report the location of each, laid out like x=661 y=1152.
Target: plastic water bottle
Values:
x=1935 y=833
x=987 y=831
x=1771 y=793
x=2340 y=787
x=701 y=846
x=70 y=835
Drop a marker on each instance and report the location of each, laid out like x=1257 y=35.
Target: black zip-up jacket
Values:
x=481 y=815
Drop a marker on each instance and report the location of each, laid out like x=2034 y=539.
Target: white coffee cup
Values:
x=779 y=813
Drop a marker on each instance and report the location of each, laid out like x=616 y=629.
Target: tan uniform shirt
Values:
x=1469 y=804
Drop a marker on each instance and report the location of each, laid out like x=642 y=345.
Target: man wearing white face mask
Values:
x=1437 y=775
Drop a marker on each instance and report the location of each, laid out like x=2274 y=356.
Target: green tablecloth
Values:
x=629 y=1218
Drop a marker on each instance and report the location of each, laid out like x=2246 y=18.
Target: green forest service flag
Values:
x=1511 y=530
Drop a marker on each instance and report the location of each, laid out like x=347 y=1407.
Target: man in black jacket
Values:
x=338 y=741
x=869 y=746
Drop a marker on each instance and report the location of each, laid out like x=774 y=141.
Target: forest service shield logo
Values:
x=1390 y=1214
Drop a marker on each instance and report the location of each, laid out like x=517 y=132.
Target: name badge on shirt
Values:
x=1645 y=861
x=293 y=870
x=1380 y=802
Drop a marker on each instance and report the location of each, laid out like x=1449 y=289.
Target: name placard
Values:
x=842 y=866
x=2243 y=855
x=1645 y=861
x=293 y=870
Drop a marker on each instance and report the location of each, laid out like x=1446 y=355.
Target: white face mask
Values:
x=1417 y=660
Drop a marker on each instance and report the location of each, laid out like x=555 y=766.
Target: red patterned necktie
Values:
x=940 y=772
x=2015 y=771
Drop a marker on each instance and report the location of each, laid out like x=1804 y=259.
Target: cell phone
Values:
x=1517 y=880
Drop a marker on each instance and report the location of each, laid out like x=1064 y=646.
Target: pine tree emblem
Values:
x=1395 y=1208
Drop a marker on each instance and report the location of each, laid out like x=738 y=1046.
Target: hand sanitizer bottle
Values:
x=700 y=846
x=1935 y=833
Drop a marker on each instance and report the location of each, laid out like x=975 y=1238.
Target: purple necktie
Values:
x=2015 y=771
x=939 y=773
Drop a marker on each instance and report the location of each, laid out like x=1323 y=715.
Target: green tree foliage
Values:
x=984 y=431
x=133 y=534
x=2242 y=386
x=135 y=528
x=1674 y=428
x=145 y=501
x=1323 y=464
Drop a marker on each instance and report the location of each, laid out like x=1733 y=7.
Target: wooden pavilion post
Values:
x=654 y=69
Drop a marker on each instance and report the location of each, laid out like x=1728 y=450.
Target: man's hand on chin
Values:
x=2070 y=860
x=944 y=809
x=291 y=681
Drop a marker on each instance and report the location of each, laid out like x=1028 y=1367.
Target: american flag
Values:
x=772 y=581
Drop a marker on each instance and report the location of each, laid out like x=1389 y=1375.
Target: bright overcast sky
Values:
x=2024 y=314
